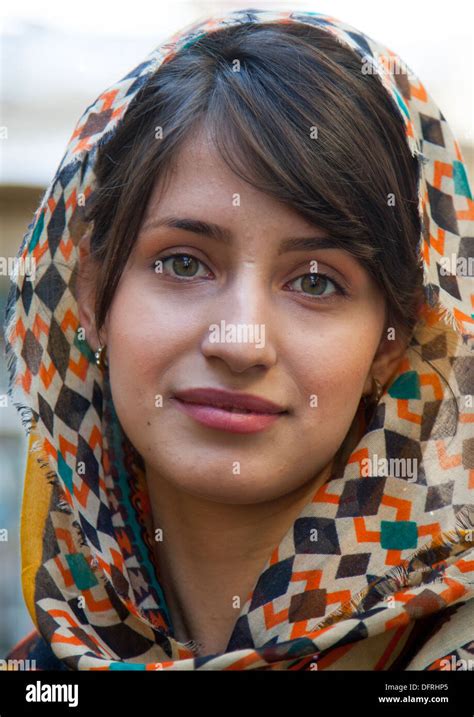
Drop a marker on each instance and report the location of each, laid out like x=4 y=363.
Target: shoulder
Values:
x=36 y=654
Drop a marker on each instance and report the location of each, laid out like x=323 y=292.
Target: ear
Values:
x=86 y=293
x=390 y=352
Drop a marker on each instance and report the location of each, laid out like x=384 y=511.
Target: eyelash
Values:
x=339 y=289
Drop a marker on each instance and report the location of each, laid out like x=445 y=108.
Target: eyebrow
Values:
x=224 y=236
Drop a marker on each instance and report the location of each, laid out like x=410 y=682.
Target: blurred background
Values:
x=57 y=57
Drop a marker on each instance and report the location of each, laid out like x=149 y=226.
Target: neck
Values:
x=212 y=554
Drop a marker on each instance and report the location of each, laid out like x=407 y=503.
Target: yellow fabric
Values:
x=34 y=511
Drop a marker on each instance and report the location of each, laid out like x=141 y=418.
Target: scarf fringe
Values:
x=459 y=538
x=447 y=317
x=36 y=450
x=14 y=391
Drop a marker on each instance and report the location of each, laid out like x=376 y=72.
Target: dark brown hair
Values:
x=290 y=79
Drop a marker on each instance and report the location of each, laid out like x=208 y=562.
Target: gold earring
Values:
x=100 y=357
x=374 y=396
x=378 y=390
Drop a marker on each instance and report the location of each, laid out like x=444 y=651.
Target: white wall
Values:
x=58 y=57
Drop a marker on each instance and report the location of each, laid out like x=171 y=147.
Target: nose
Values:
x=239 y=332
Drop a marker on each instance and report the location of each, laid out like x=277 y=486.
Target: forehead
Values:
x=198 y=163
x=199 y=181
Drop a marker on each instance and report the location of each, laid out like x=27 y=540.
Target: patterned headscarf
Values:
x=391 y=551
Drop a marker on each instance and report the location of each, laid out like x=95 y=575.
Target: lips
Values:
x=230 y=401
x=228 y=411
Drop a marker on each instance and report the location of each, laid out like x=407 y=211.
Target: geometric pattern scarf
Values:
x=389 y=584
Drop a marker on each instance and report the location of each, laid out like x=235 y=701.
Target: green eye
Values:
x=186 y=266
x=315 y=284
x=182 y=265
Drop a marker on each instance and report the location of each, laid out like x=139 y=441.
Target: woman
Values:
x=244 y=367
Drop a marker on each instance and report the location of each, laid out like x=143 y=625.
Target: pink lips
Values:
x=213 y=408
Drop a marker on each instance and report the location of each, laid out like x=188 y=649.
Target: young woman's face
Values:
x=311 y=350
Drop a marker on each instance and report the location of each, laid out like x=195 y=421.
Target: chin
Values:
x=230 y=489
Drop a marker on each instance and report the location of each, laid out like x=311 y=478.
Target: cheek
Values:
x=330 y=369
x=144 y=328
x=137 y=352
